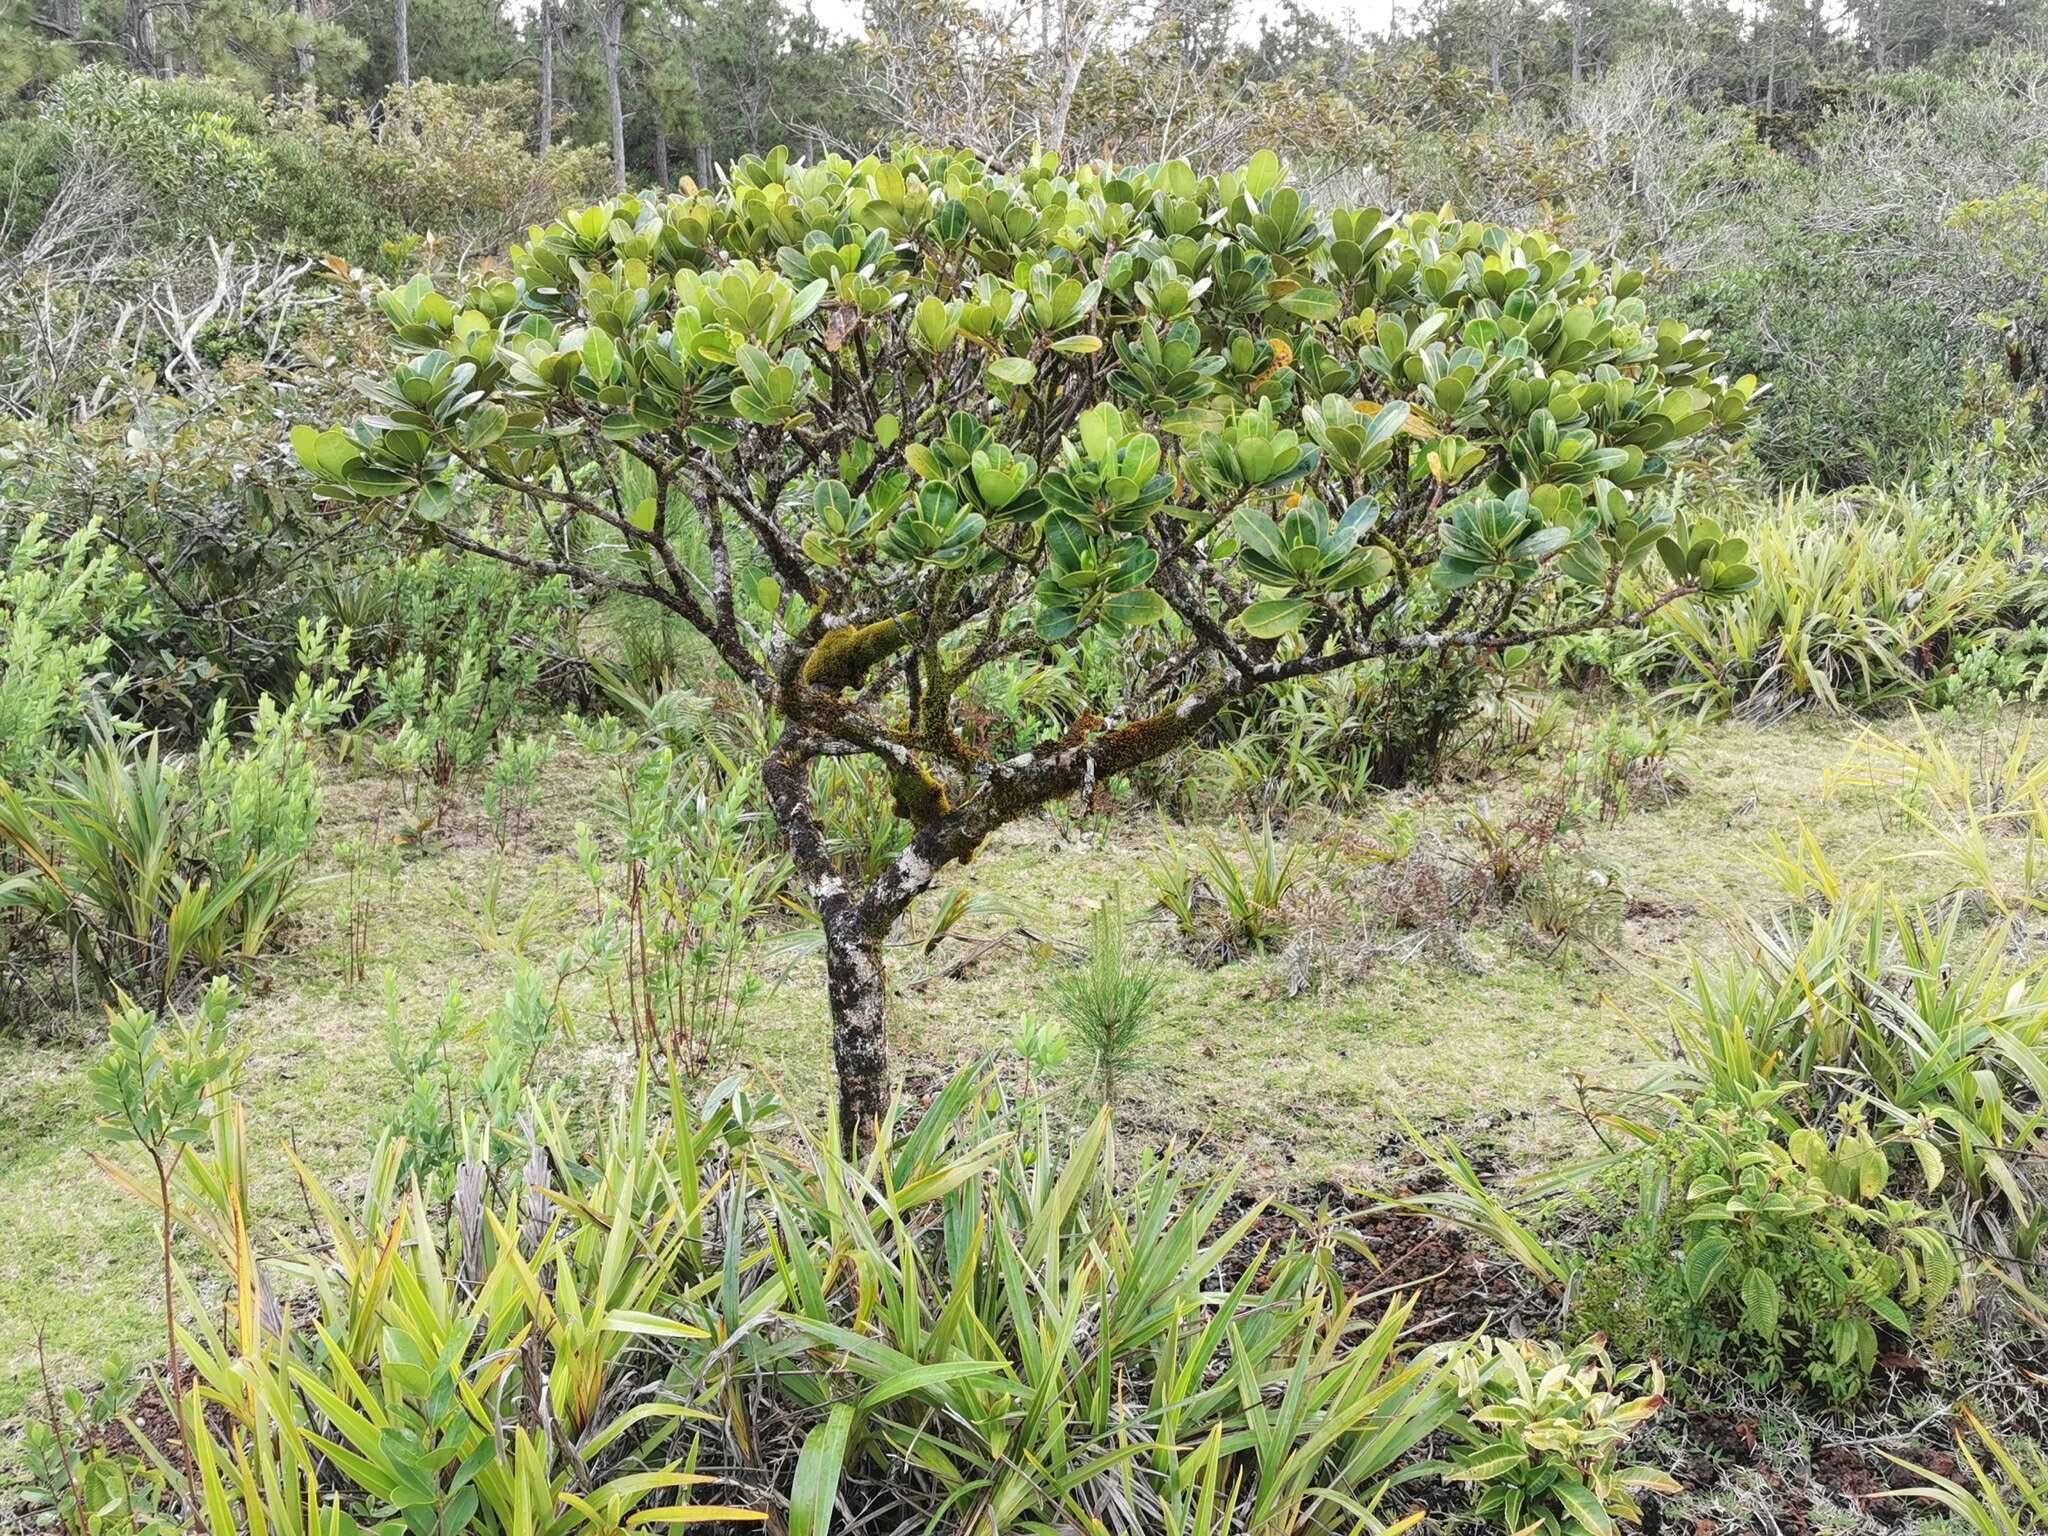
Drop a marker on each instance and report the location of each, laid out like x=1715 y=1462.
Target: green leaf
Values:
x=1760 y=1304
x=1319 y=305
x=1274 y=617
x=920 y=1378
x=1263 y=174
x=1584 y=1506
x=650 y=1325
x=1703 y=1262
x=815 y=1486
x=1488 y=1463
x=306 y=447
x=1015 y=371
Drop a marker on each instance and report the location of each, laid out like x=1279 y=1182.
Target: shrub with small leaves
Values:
x=158 y=1085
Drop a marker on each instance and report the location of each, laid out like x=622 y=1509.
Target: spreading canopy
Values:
x=873 y=427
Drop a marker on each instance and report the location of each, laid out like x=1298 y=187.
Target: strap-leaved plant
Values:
x=872 y=428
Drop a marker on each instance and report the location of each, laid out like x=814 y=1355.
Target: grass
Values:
x=1291 y=1079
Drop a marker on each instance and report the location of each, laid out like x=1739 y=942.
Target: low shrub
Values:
x=154 y=871
x=1542 y=1433
x=1778 y=1260
x=1226 y=901
x=1858 y=1003
x=455 y=160
x=1338 y=740
x=1863 y=599
x=62 y=603
x=682 y=906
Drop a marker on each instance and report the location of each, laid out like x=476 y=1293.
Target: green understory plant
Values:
x=2007 y=1491
x=79 y=1480
x=1251 y=884
x=1107 y=1003
x=371 y=862
x=159 y=1085
x=153 y=871
x=1041 y=1044
x=428 y=734
x=980 y=1324
x=1623 y=763
x=63 y=603
x=512 y=783
x=1776 y=1259
x=1855 y=1002
x=1543 y=1432
x=468 y=1080
x=685 y=904
x=970 y=1384
x=1860 y=598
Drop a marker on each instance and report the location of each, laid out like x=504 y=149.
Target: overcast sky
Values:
x=844 y=15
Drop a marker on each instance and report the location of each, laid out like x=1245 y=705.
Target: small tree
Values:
x=873 y=428
x=159 y=1088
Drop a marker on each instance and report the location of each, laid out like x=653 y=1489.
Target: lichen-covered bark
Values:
x=858 y=987
x=855 y=978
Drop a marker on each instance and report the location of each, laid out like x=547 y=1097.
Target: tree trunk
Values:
x=1078 y=38
x=401 y=26
x=856 y=979
x=302 y=50
x=857 y=983
x=660 y=151
x=142 y=37
x=611 y=26
x=548 y=24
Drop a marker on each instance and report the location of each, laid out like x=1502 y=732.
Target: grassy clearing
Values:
x=1290 y=1066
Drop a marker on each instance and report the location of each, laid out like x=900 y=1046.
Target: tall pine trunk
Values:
x=548 y=24
x=401 y=26
x=142 y=36
x=612 y=26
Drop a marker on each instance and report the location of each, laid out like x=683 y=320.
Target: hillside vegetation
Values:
x=1087 y=769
